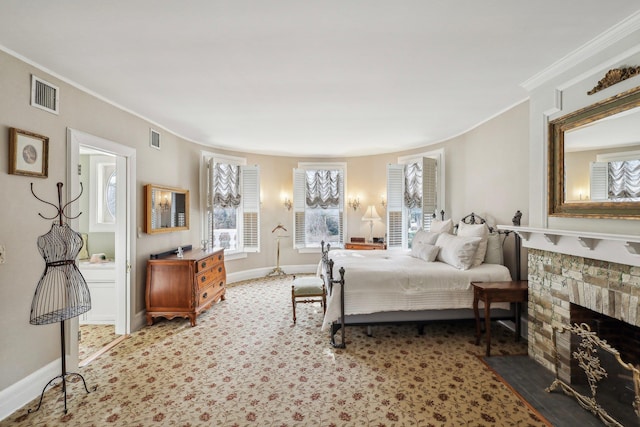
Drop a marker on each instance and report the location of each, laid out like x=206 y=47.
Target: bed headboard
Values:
x=472 y=218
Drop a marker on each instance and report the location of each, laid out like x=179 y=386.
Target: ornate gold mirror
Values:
x=594 y=160
x=166 y=209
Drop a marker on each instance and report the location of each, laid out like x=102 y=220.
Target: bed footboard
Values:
x=337 y=326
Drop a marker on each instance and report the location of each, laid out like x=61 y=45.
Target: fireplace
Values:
x=568 y=289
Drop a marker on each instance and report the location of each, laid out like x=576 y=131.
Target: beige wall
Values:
x=486 y=172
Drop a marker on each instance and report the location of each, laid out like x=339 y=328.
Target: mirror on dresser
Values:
x=594 y=160
x=166 y=209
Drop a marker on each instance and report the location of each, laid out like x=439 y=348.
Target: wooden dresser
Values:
x=183 y=287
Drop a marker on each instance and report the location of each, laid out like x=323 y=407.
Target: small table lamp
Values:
x=370 y=215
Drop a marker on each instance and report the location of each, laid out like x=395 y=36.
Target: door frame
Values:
x=125 y=241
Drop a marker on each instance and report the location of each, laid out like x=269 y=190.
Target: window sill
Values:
x=230 y=256
x=316 y=249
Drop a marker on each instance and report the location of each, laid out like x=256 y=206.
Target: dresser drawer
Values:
x=210 y=294
x=209 y=262
x=210 y=277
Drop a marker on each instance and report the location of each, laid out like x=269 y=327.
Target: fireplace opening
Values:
x=616 y=391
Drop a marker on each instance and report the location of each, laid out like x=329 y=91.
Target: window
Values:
x=102 y=195
x=415 y=190
x=318 y=204
x=231 y=192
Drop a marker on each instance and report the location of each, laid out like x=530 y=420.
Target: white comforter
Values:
x=393 y=280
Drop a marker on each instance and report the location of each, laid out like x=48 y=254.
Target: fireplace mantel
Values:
x=619 y=248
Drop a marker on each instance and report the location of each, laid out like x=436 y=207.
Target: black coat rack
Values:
x=62 y=292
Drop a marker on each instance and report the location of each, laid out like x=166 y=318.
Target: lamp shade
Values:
x=370 y=214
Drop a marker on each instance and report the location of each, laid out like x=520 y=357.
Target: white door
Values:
x=125 y=220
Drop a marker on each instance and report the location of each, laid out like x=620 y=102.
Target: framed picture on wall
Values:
x=28 y=153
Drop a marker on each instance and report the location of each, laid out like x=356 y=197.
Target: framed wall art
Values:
x=28 y=153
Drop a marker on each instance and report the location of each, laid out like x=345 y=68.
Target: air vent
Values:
x=44 y=95
x=154 y=139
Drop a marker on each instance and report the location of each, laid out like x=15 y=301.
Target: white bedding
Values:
x=377 y=281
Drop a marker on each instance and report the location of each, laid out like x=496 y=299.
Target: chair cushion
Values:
x=307 y=285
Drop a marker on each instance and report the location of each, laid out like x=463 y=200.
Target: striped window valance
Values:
x=413 y=185
x=226 y=185
x=323 y=188
x=624 y=179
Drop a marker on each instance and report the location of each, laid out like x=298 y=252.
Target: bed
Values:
x=393 y=286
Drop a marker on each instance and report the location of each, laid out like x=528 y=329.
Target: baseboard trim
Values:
x=262 y=272
x=24 y=391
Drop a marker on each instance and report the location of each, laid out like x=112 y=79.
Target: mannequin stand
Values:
x=63 y=376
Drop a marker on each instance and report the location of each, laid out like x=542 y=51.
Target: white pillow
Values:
x=457 y=251
x=494 y=250
x=476 y=230
x=422 y=245
x=422 y=237
x=426 y=252
x=439 y=226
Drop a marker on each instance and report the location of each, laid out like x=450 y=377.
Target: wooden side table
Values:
x=488 y=292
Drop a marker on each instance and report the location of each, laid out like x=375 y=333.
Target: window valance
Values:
x=323 y=188
x=226 y=185
x=413 y=185
x=624 y=179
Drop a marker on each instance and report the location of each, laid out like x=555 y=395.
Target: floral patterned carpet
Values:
x=93 y=338
x=247 y=364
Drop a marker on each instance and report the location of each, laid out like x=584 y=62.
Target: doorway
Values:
x=105 y=172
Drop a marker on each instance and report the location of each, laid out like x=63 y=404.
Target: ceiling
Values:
x=318 y=78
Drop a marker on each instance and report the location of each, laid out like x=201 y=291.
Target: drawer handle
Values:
x=203 y=279
x=219 y=269
x=219 y=257
x=204 y=296
x=204 y=264
x=221 y=284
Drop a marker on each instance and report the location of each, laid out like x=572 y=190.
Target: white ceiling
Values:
x=305 y=78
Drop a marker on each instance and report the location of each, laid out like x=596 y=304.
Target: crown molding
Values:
x=613 y=35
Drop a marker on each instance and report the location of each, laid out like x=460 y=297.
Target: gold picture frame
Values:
x=28 y=153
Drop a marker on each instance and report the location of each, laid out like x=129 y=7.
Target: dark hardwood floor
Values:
x=529 y=379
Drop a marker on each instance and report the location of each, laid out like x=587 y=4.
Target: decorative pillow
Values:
x=439 y=226
x=476 y=230
x=457 y=251
x=422 y=237
x=422 y=244
x=494 y=250
x=426 y=252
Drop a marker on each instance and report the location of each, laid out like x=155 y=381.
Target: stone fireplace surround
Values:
x=558 y=280
x=575 y=273
x=600 y=272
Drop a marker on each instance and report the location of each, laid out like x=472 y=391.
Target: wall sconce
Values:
x=166 y=205
x=383 y=202
x=354 y=203
x=288 y=203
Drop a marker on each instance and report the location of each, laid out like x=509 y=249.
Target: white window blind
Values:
x=429 y=190
x=599 y=181
x=250 y=177
x=395 y=211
